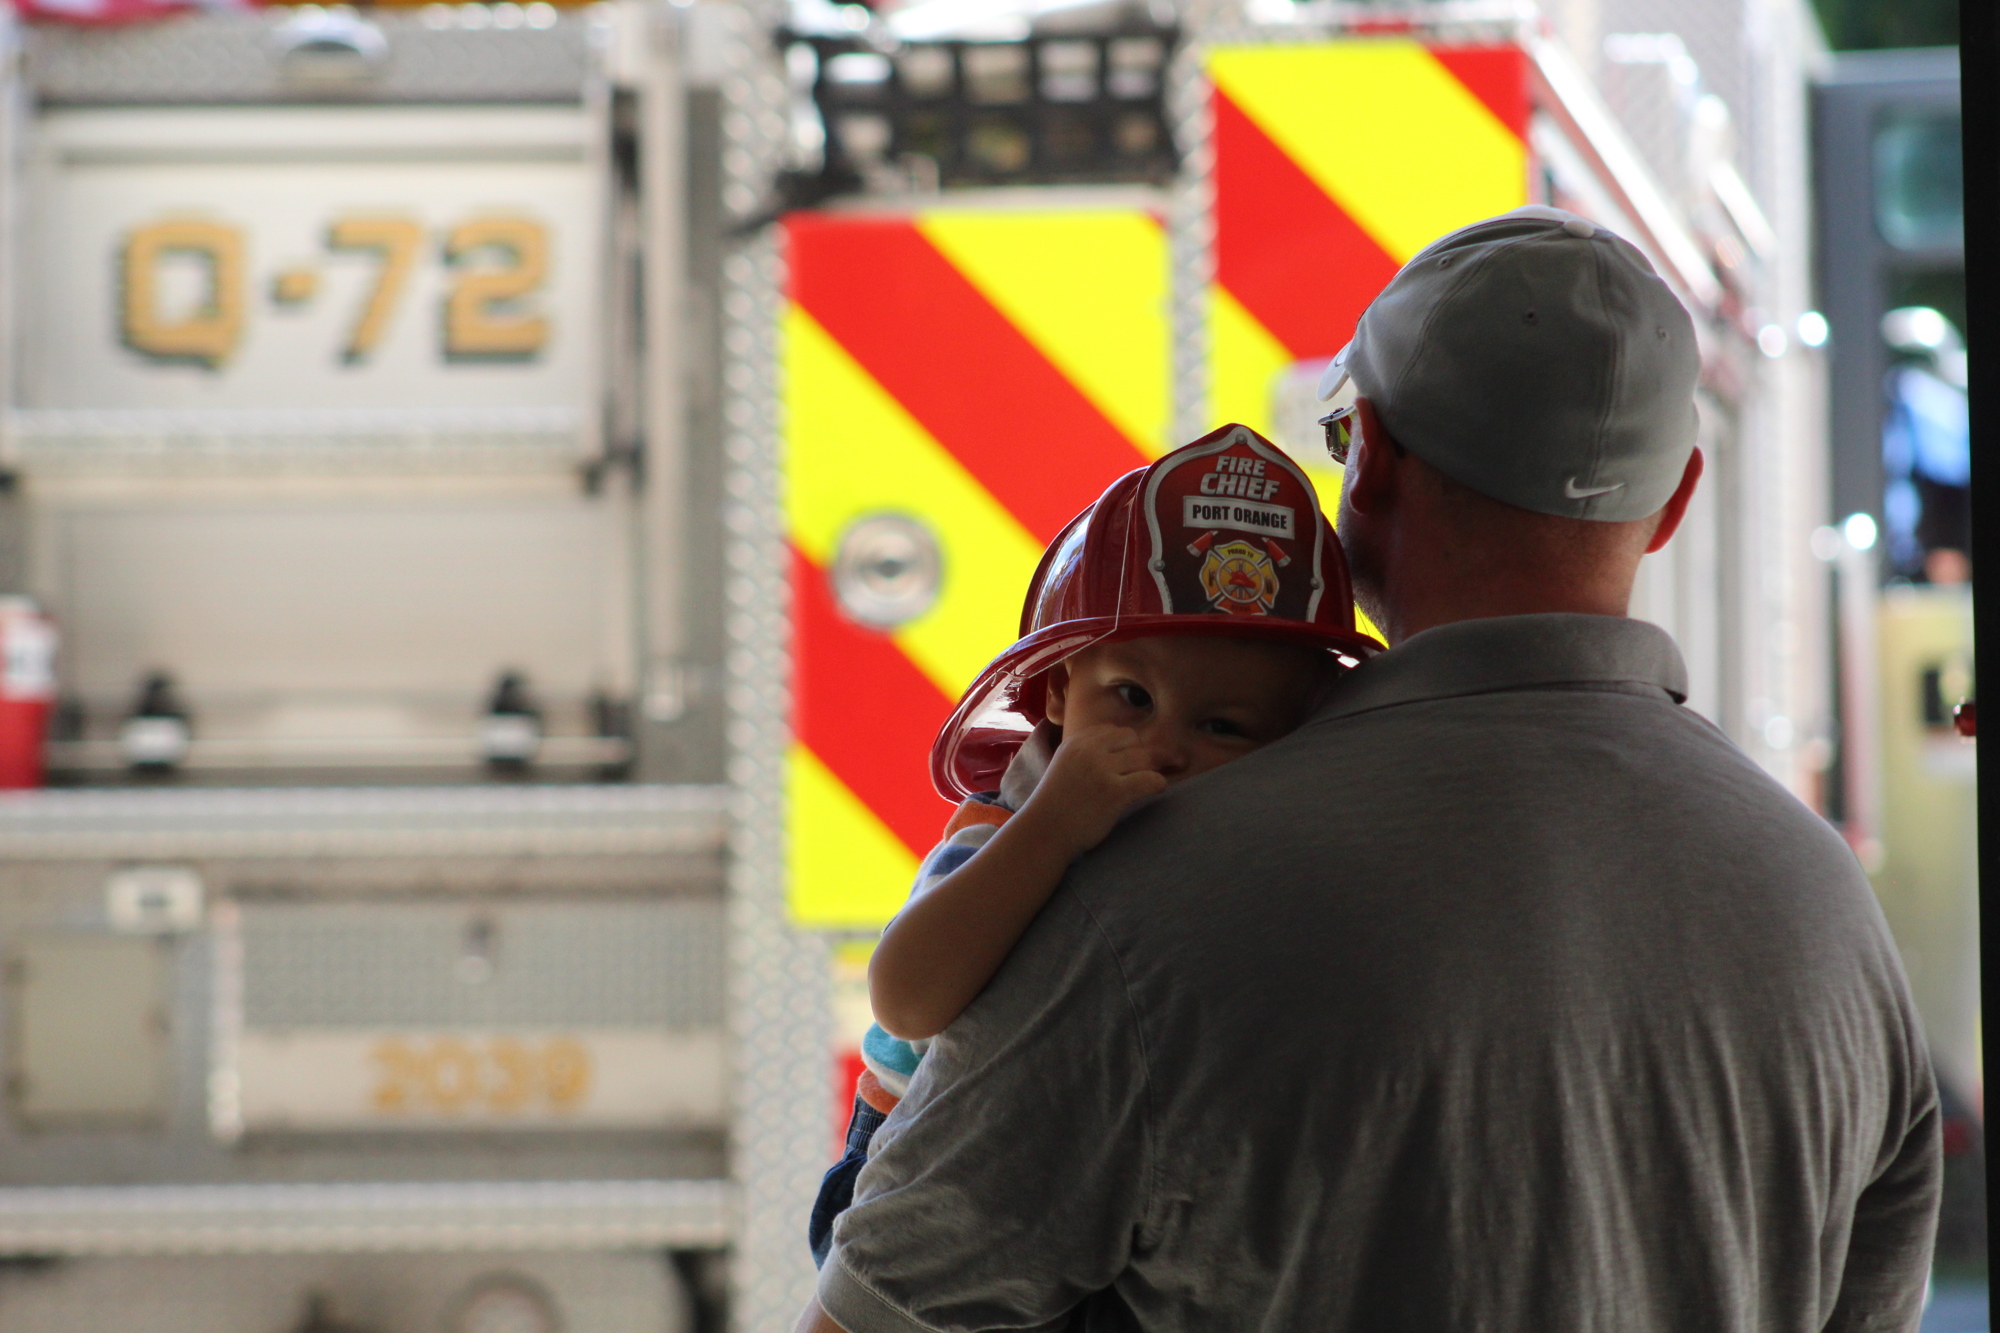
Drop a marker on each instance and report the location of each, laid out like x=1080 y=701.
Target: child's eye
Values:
x=1222 y=726
x=1134 y=696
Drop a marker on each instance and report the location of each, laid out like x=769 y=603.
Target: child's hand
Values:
x=1098 y=774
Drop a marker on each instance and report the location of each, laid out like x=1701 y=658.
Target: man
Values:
x=1504 y=994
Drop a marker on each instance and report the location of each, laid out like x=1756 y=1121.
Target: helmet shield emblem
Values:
x=1229 y=520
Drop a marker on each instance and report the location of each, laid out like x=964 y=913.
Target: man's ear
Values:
x=1371 y=465
x=1055 y=685
x=1676 y=506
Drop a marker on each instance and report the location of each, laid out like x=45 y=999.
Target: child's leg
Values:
x=836 y=1188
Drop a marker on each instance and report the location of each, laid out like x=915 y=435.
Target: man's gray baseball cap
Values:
x=1537 y=358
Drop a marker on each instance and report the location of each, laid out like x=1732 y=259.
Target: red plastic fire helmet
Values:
x=1221 y=536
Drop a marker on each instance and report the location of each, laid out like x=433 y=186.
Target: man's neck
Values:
x=1452 y=600
x=1443 y=553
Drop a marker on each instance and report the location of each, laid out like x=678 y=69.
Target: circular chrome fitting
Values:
x=887 y=570
x=505 y=1302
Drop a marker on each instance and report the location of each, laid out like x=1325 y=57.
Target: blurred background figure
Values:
x=1892 y=274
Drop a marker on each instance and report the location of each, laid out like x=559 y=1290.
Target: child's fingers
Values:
x=1143 y=782
x=1104 y=738
x=1120 y=751
x=1104 y=768
x=1091 y=787
x=1119 y=768
x=1110 y=749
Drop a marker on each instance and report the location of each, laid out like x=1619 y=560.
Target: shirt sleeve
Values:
x=1012 y=1181
x=952 y=853
x=1887 y=1272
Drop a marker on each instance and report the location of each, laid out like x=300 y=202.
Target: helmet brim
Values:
x=1001 y=706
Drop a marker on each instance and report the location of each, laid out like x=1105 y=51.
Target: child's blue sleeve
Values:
x=952 y=853
x=944 y=858
x=892 y=1059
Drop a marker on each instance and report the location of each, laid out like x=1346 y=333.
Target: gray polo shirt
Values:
x=1506 y=994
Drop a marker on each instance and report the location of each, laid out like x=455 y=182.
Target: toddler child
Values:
x=1192 y=614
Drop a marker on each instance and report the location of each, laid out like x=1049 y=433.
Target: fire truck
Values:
x=502 y=497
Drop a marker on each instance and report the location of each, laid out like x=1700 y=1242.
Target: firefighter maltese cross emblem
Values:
x=1239 y=578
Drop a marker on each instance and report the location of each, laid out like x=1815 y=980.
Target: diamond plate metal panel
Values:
x=219 y=59
x=1715 y=32
x=361 y=821
x=527 y=1293
x=656 y=964
x=341 y=440
x=15 y=116
x=778 y=993
x=1190 y=217
x=1658 y=113
x=360 y=1218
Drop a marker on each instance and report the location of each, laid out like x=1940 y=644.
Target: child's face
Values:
x=1197 y=701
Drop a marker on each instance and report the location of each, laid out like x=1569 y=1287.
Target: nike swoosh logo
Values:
x=1576 y=492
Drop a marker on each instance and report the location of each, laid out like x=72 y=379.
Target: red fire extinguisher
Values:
x=27 y=689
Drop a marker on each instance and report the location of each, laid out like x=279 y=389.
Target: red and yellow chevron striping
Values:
x=986 y=373
x=1336 y=162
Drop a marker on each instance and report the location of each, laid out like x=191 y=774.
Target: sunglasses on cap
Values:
x=1339 y=426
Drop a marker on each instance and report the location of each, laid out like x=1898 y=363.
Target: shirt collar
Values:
x=1546 y=651
x=1030 y=762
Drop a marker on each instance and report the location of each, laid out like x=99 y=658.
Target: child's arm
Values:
x=946 y=944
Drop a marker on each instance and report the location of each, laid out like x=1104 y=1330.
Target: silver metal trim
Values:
x=342 y=439
x=224 y=58
x=607 y=820
x=334 y=752
x=1190 y=217
x=780 y=985
x=225 y=1032
x=366 y=1218
x=662 y=501
x=1501 y=20
x=15 y=114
